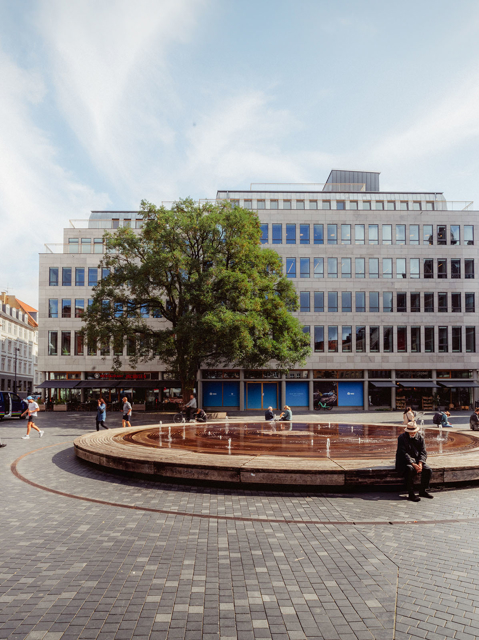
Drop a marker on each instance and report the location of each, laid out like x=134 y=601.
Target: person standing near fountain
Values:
x=411 y=456
x=474 y=420
x=101 y=414
x=126 y=413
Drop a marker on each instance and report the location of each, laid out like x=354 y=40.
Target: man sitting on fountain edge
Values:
x=411 y=458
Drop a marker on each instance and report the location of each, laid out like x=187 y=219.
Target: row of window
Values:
x=78 y=277
x=8 y=364
x=22 y=385
x=455 y=268
x=61 y=342
x=362 y=339
x=63 y=309
x=340 y=205
x=318 y=302
x=356 y=234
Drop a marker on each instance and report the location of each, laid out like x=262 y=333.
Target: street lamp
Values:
x=16 y=349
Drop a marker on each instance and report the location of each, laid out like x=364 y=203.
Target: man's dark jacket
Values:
x=409 y=450
x=474 y=421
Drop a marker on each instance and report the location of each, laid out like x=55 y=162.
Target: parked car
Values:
x=11 y=405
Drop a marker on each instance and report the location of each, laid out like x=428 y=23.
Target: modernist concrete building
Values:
x=387 y=290
x=18 y=345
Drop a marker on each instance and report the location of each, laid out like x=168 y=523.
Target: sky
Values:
x=104 y=103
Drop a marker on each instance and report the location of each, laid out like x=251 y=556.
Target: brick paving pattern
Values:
x=73 y=569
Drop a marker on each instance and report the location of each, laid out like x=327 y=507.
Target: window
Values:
x=391 y=205
x=387 y=234
x=387 y=339
x=442 y=302
x=442 y=268
x=413 y=234
x=307 y=331
x=455 y=268
x=304 y=304
x=78 y=343
x=144 y=309
x=359 y=267
x=443 y=340
x=456 y=339
x=286 y=204
x=73 y=246
x=359 y=234
x=429 y=206
x=387 y=267
x=429 y=339
x=414 y=268
x=319 y=339
x=332 y=301
x=118 y=309
x=360 y=339
x=360 y=301
x=79 y=308
x=277 y=233
x=374 y=339
x=379 y=205
x=346 y=301
x=332 y=267
x=79 y=277
x=248 y=204
x=470 y=303
x=319 y=267
x=374 y=301
x=332 y=234
x=345 y=234
x=333 y=339
x=470 y=339
x=130 y=347
x=469 y=268
x=340 y=205
x=374 y=267
x=318 y=230
x=304 y=267
x=415 y=303
x=415 y=339
x=318 y=301
x=264 y=233
x=346 y=339
x=387 y=302
x=441 y=234
x=53 y=277
x=400 y=234
x=428 y=303
x=428 y=268
x=403 y=206
x=366 y=206
x=456 y=302
x=455 y=234
x=86 y=245
x=416 y=206
x=313 y=204
x=428 y=237
x=67 y=276
x=290 y=234
x=353 y=205
x=346 y=268
x=468 y=234
x=401 y=303
x=273 y=204
x=400 y=267
x=304 y=233
x=373 y=234
x=402 y=339
x=66 y=343
x=261 y=204
x=66 y=308
x=105 y=273
x=53 y=308
x=53 y=343
x=98 y=243
x=91 y=349
x=92 y=276
x=291 y=267
x=326 y=204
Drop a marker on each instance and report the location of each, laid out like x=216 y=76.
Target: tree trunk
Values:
x=187 y=389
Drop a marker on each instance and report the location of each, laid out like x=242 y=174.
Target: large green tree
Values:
x=222 y=296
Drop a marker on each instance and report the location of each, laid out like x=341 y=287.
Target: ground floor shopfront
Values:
x=257 y=390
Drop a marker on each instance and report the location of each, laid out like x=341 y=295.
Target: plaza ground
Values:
x=87 y=554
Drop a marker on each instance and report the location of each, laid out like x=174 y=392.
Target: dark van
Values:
x=11 y=405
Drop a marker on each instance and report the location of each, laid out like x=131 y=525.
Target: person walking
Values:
x=101 y=414
x=474 y=420
x=411 y=456
x=32 y=410
x=126 y=413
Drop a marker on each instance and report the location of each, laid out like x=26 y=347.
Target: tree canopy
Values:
x=221 y=295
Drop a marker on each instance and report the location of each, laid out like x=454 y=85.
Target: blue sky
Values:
x=106 y=103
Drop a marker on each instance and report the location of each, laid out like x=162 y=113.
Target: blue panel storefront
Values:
x=221 y=394
x=297 y=394
x=350 y=394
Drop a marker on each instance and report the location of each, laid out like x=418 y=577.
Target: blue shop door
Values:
x=230 y=394
x=297 y=394
x=270 y=395
x=350 y=394
x=253 y=395
x=212 y=394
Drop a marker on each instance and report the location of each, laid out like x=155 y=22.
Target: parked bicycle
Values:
x=182 y=415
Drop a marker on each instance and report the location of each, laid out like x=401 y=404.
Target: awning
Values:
x=98 y=384
x=140 y=384
x=458 y=383
x=58 y=384
x=418 y=384
x=386 y=383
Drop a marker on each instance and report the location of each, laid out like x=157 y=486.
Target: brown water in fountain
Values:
x=302 y=440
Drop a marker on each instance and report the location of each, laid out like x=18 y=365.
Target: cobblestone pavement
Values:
x=171 y=561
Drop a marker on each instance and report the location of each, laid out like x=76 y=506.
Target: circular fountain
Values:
x=284 y=453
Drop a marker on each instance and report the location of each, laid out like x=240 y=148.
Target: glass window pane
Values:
x=53 y=343
x=345 y=234
x=340 y=205
x=332 y=267
x=353 y=205
x=415 y=302
x=286 y=204
x=299 y=204
x=455 y=268
x=400 y=267
x=346 y=268
x=456 y=302
x=366 y=206
x=332 y=234
x=79 y=308
x=359 y=234
x=471 y=339
x=387 y=339
x=277 y=233
x=290 y=234
x=387 y=301
x=416 y=206
x=414 y=268
x=468 y=234
x=469 y=268
x=318 y=301
x=318 y=234
x=387 y=268
x=53 y=308
x=360 y=301
x=66 y=343
x=332 y=301
x=470 y=303
x=332 y=339
x=374 y=301
x=428 y=268
x=400 y=234
x=318 y=339
x=346 y=301
x=443 y=340
x=373 y=234
x=403 y=206
x=66 y=276
x=455 y=234
x=373 y=339
x=304 y=233
x=402 y=339
x=401 y=302
x=456 y=339
x=92 y=276
x=441 y=268
x=360 y=339
x=428 y=237
x=359 y=266
x=415 y=339
x=319 y=267
x=379 y=205
x=391 y=205
x=73 y=246
x=264 y=233
x=374 y=267
x=387 y=234
x=313 y=204
x=304 y=267
x=53 y=277
x=66 y=308
x=291 y=267
x=441 y=234
x=79 y=277
x=326 y=204
x=346 y=339
x=442 y=302
x=273 y=204
x=413 y=234
x=304 y=304
x=429 y=339
x=261 y=204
